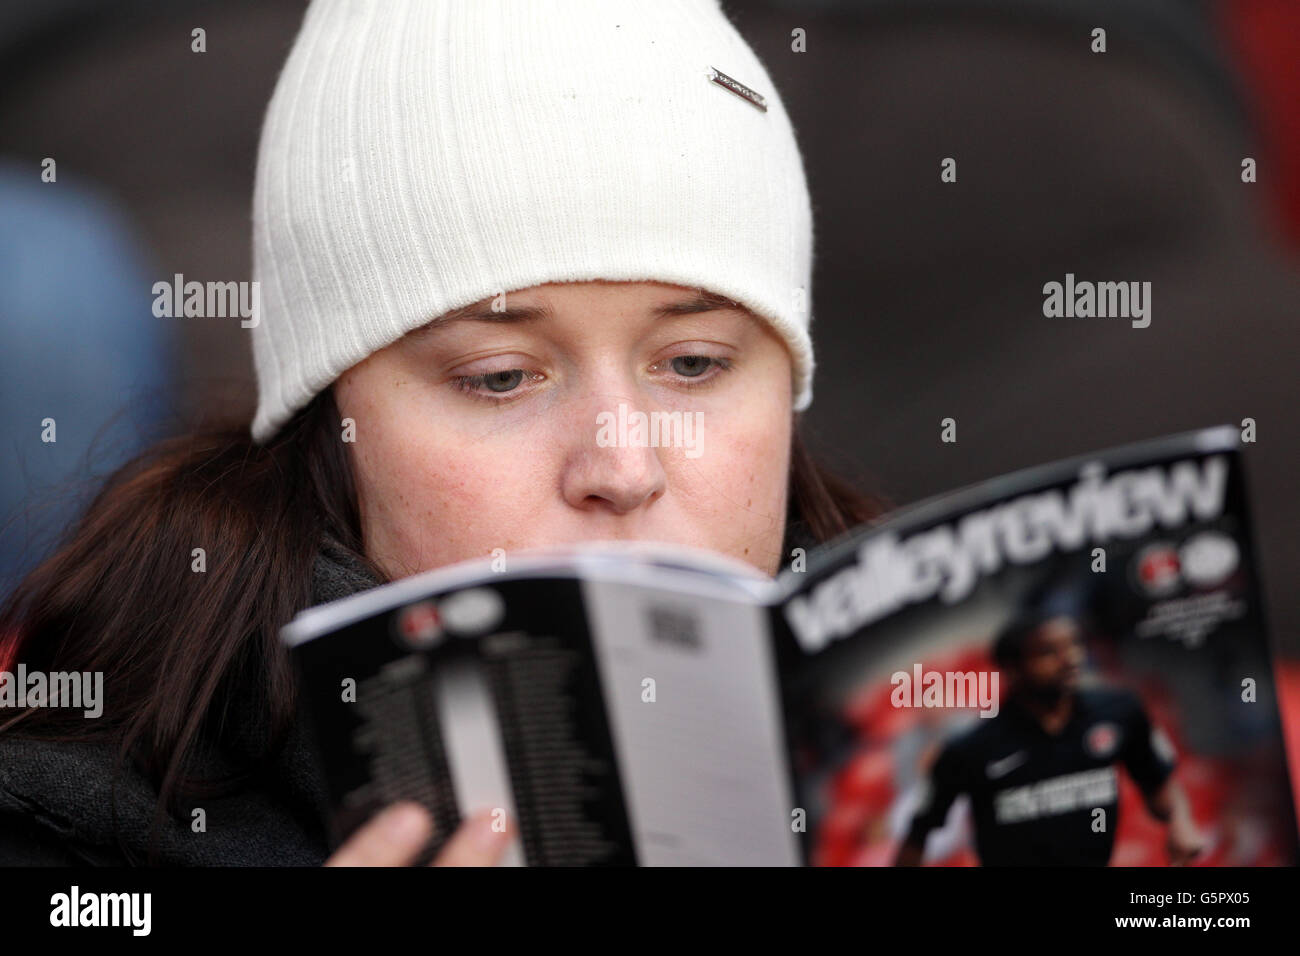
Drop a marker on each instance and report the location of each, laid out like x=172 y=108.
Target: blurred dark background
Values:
x=927 y=300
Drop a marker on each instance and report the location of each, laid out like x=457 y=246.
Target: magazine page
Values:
x=616 y=704
x=690 y=684
x=1067 y=665
x=481 y=698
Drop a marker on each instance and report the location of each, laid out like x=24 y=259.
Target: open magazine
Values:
x=1025 y=671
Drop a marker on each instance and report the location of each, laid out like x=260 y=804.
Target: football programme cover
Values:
x=1064 y=666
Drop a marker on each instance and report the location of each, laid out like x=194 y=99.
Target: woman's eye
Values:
x=701 y=368
x=502 y=382
x=691 y=365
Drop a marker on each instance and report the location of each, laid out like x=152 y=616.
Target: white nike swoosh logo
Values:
x=1000 y=768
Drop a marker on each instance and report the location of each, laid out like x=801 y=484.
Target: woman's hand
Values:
x=395 y=837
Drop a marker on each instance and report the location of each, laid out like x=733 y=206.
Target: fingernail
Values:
x=485 y=837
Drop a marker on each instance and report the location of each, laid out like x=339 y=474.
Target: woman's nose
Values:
x=612 y=465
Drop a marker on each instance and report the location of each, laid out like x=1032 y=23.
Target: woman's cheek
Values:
x=466 y=497
x=763 y=458
x=746 y=474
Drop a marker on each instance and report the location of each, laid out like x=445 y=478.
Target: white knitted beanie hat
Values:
x=418 y=156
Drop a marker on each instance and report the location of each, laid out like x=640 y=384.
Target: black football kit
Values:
x=1034 y=794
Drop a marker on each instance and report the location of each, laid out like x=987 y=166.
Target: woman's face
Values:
x=532 y=420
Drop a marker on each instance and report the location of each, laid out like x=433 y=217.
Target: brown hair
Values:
x=120 y=596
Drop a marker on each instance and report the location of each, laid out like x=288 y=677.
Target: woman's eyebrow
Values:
x=701 y=302
x=483 y=312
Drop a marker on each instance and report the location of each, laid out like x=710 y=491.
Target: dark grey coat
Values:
x=57 y=799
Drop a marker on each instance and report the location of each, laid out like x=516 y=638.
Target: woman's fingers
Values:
x=479 y=841
x=394 y=837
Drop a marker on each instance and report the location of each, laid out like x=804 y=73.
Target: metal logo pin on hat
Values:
x=740 y=89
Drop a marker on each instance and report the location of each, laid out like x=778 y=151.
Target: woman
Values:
x=477 y=228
